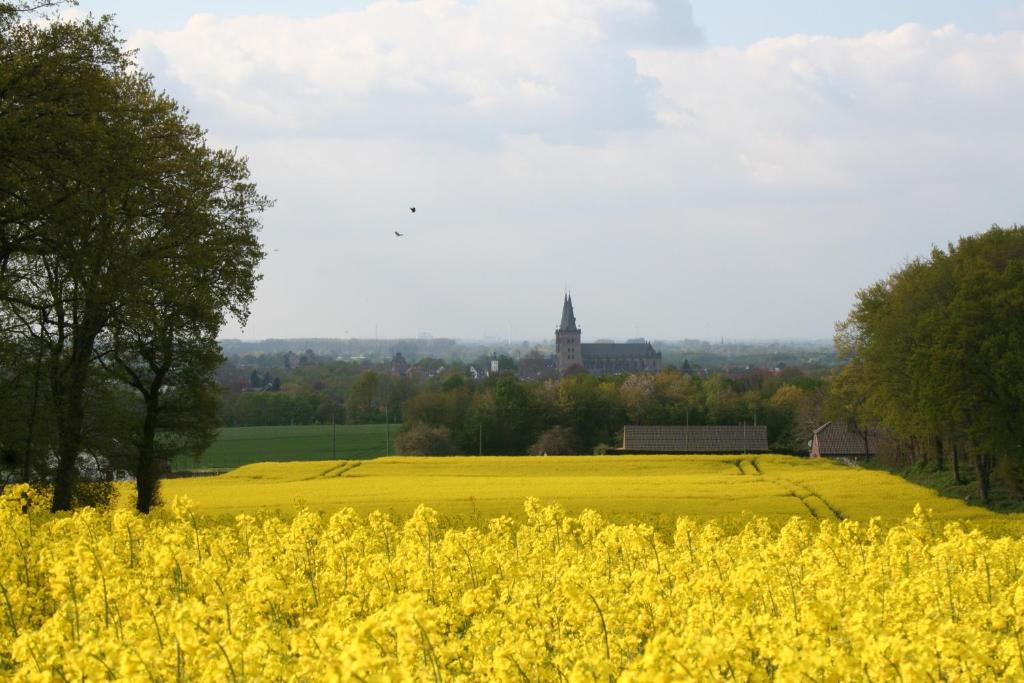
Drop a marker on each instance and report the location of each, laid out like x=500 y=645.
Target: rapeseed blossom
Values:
x=173 y=597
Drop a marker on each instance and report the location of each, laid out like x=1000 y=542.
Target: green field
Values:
x=237 y=446
x=653 y=489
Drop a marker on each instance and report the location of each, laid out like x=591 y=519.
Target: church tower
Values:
x=568 y=351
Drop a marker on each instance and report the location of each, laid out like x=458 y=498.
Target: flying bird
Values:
x=399 y=234
x=413 y=209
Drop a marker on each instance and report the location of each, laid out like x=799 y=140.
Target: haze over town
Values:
x=689 y=170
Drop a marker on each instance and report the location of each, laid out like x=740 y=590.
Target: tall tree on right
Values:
x=975 y=374
x=936 y=350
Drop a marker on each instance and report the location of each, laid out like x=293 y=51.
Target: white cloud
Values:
x=904 y=104
x=798 y=110
x=428 y=68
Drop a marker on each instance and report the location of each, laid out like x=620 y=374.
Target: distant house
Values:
x=697 y=439
x=537 y=366
x=836 y=440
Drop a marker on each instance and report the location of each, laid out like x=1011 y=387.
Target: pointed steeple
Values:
x=568 y=323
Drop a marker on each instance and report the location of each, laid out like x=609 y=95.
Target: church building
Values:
x=602 y=358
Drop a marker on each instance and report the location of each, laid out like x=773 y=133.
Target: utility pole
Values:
x=334 y=438
x=387 y=432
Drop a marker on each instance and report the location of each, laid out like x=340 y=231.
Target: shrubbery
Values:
x=422 y=439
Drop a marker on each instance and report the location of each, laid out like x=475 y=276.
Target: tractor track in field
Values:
x=809 y=494
x=743 y=465
x=339 y=470
x=802 y=492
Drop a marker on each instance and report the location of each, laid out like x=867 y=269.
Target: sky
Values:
x=687 y=169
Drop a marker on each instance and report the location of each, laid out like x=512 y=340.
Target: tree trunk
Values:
x=69 y=441
x=983 y=463
x=940 y=455
x=957 y=479
x=27 y=465
x=68 y=381
x=146 y=474
x=69 y=400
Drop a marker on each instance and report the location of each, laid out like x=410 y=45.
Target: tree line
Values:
x=126 y=241
x=934 y=355
x=444 y=410
x=582 y=413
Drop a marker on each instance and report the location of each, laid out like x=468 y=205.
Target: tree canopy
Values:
x=125 y=240
x=935 y=350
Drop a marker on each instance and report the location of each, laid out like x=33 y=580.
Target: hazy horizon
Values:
x=515 y=342
x=688 y=169
x=540 y=340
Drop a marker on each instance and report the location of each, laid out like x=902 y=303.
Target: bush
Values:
x=421 y=439
x=556 y=441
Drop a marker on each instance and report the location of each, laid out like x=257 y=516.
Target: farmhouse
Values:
x=601 y=358
x=836 y=440
x=698 y=439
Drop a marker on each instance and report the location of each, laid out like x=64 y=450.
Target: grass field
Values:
x=653 y=489
x=237 y=446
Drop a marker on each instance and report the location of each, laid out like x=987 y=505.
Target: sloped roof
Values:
x=697 y=439
x=613 y=350
x=568 y=322
x=835 y=438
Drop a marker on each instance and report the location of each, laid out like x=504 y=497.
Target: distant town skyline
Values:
x=690 y=170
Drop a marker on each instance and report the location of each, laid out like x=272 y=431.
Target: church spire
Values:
x=568 y=323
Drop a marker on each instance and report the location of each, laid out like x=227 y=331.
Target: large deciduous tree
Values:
x=70 y=199
x=124 y=237
x=163 y=343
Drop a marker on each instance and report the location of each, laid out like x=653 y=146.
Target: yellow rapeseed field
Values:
x=653 y=489
x=177 y=596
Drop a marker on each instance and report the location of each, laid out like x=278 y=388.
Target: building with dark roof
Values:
x=601 y=358
x=536 y=365
x=836 y=440
x=697 y=439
